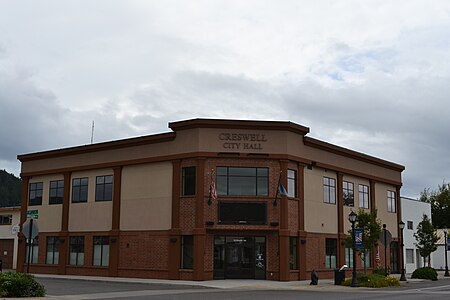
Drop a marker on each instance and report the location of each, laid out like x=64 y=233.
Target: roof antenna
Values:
x=92 y=133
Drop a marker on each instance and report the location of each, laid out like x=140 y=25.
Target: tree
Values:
x=440 y=204
x=371 y=230
x=9 y=189
x=426 y=238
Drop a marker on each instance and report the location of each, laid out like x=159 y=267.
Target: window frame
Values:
x=76 y=242
x=292 y=183
x=391 y=201
x=35 y=193
x=189 y=181
x=103 y=241
x=363 y=196
x=346 y=190
x=58 y=190
x=410 y=225
x=34 y=251
x=259 y=189
x=329 y=190
x=330 y=252
x=5 y=220
x=187 y=252
x=52 y=244
x=293 y=250
x=104 y=190
x=77 y=189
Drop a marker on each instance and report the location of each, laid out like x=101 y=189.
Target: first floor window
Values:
x=34 y=248
x=409 y=256
x=349 y=256
x=188 y=181
x=329 y=190
x=76 y=251
x=35 y=195
x=52 y=250
x=391 y=201
x=187 y=252
x=363 y=196
x=293 y=261
x=366 y=259
x=330 y=253
x=101 y=251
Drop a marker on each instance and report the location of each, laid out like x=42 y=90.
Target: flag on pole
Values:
x=281 y=190
x=213 y=190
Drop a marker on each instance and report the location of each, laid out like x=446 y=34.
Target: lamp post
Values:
x=401 y=225
x=385 y=250
x=352 y=218
x=446 y=247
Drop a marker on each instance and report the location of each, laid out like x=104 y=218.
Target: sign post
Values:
x=30 y=229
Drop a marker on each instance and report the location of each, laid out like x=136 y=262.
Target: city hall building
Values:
x=210 y=199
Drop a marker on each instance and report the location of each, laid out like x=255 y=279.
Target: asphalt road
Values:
x=85 y=289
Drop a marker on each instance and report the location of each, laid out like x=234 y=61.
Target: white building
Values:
x=9 y=226
x=438 y=256
x=412 y=214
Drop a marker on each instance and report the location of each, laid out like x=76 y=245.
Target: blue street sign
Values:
x=359 y=238
x=448 y=244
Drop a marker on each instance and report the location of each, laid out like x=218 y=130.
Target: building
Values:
x=438 y=256
x=9 y=228
x=412 y=212
x=203 y=202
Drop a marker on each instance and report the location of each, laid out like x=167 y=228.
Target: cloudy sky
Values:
x=373 y=76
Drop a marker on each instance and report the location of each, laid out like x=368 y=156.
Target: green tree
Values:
x=9 y=189
x=371 y=227
x=426 y=238
x=440 y=204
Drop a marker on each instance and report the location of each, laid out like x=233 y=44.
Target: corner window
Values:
x=101 y=251
x=76 y=256
x=103 y=188
x=56 y=192
x=80 y=189
x=235 y=181
x=188 y=181
x=35 y=194
x=292 y=183
x=293 y=261
x=363 y=196
x=391 y=201
x=329 y=190
x=348 y=193
x=187 y=252
x=52 y=257
x=330 y=253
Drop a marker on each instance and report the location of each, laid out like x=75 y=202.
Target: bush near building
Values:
x=20 y=285
x=373 y=281
x=425 y=273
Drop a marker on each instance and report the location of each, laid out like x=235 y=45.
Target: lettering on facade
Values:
x=242 y=141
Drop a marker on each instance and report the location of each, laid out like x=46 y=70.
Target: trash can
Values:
x=339 y=276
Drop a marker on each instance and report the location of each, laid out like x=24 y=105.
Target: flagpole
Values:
x=210 y=183
x=276 y=195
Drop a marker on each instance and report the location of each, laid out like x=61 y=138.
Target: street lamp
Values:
x=401 y=225
x=352 y=218
x=446 y=247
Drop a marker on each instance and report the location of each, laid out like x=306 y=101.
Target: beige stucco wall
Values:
x=319 y=216
x=388 y=218
x=49 y=219
x=146 y=199
x=91 y=215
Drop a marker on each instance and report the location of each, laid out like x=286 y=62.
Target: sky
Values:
x=372 y=76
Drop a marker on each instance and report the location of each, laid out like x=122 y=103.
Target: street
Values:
x=86 y=289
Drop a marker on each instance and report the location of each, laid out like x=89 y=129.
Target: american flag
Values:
x=212 y=188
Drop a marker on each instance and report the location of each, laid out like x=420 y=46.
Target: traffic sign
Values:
x=33 y=214
x=34 y=229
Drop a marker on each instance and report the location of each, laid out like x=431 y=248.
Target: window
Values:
x=52 y=250
x=410 y=225
x=293 y=261
x=188 y=181
x=103 y=188
x=35 y=197
x=391 y=201
x=242 y=181
x=348 y=193
x=56 y=192
x=80 y=190
x=243 y=213
x=101 y=251
x=409 y=256
x=330 y=253
x=187 y=251
x=329 y=190
x=349 y=256
x=33 y=257
x=363 y=196
x=5 y=219
x=292 y=183
x=76 y=251
x=366 y=259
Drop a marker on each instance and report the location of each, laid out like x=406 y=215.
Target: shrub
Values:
x=20 y=285
x=373 y=281
x=380 y=271
x=425 y=273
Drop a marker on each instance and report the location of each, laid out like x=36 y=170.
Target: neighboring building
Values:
x=142 y=207
x=438 y=256
x=9 y=228
x=412 y=213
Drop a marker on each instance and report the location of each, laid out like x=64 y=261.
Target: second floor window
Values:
x=236 y=181
x=5 y=219
x=35 y=196
x=188 y=181
x=363 y=196
x=56 y=192
x=80 y=189
x=292 y=183
x=348 y=193
x=391 y=201
x=329 y=190
x=104 y=188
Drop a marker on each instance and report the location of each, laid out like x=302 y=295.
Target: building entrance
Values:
x=239 y=257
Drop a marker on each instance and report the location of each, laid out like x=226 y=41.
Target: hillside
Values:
x=9 y=189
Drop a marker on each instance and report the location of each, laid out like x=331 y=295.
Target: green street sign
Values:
x=33 y=214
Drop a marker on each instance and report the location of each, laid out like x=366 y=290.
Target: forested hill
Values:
x=9 y=189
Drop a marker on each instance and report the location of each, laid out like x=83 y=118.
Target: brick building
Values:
x=143 y=207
